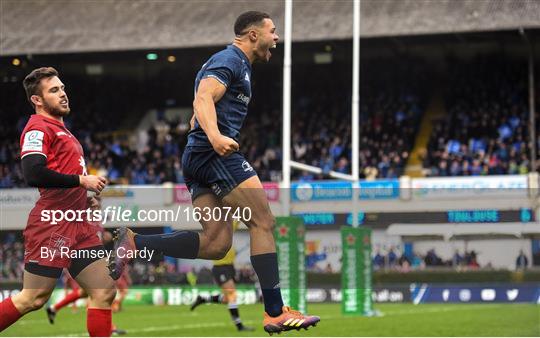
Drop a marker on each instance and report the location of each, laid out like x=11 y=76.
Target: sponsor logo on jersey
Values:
x=243 y=98
x=59 y=241
x=246 y=166
x=216 y=189
x=33 y=141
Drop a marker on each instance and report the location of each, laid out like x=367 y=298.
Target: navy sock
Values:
x=179 y=244
x=215 y=299
x=235 y=316
x=266 y=268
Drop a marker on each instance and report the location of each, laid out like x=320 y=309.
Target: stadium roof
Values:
x=65 y=26
x=411 y=17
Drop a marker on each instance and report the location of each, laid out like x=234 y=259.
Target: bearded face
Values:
x=53 y=97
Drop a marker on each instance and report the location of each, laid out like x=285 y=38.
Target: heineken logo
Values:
x=366 y=240
x=291 y=260
x=356 y=270
x=283 y=230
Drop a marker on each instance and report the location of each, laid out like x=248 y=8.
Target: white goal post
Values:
x=287 y=163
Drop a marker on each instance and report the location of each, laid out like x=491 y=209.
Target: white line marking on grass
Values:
x=417 y=310
x=414 y=311
x=27 y=322
x=168 y=327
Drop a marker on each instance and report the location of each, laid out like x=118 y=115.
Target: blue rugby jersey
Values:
x=231 y=67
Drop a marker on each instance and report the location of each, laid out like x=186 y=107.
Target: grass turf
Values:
x=214 y=320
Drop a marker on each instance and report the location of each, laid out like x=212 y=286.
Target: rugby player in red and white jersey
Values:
x=94 y=203
x=52 y=160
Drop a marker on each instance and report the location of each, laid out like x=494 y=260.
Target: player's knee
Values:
x=103 y=296
x=264 y=222
x=109 y=295
x=220 y=250
x=217 y=244
x=271 y=222
x=39 y=302
x=32 y=302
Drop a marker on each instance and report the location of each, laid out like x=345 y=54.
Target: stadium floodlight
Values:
x=151 y=56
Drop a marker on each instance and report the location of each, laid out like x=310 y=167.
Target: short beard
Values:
x=54 y=111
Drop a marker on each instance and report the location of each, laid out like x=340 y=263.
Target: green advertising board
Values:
x=290 y=245
x=172 y=295
x=356 y=272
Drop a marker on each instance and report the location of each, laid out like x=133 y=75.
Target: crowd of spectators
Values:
x=391 y=103
x=394 y=260
x=11 y=97
x=11 y=257
x=157 y=161
x=486 y=129
x=321 y=128
x=91 y=121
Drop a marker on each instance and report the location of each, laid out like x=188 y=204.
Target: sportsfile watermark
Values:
x=123 y=214
x=64 y=252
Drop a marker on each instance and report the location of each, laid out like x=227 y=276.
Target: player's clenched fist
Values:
x=224 y=145
x=92 y=182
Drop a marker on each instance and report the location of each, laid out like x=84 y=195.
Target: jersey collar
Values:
x=48 y=119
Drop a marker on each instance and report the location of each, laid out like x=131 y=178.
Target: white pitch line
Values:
x=468 y=307
x=168 y=327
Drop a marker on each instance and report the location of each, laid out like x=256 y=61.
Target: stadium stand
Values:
x=443 y=92
x=485 y=130
x=390 y=102
x=321 y=124
x=11 y=257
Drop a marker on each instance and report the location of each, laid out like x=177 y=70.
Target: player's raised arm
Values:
x=208 y=93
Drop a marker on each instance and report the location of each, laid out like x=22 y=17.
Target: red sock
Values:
x=69 y=298
x=99 y=322
x=8 y=314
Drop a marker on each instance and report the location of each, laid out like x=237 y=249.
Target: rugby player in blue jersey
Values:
x=218 y=175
